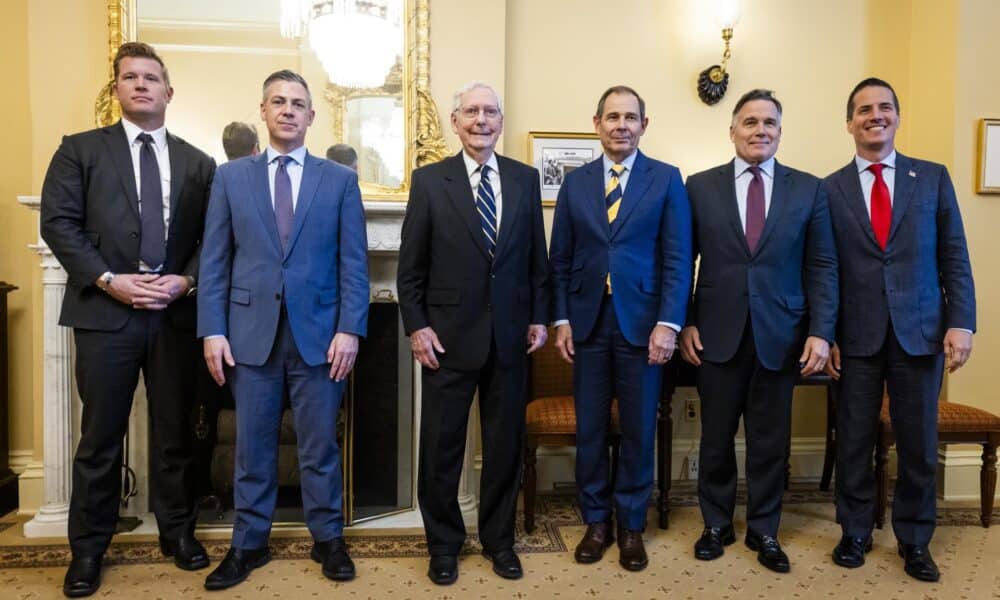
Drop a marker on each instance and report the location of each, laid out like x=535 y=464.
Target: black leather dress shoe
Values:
x=850 y=552
x=595 y=541
x=337 y=563
x=769 y=552
x=443 y=569
x=188 y=552
x=917 y=562
x=236 y=566
x=83 y=577
x=631 y=551
x=506 y=564
x=710 y=545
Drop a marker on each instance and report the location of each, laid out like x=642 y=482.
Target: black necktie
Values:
x=153 y=240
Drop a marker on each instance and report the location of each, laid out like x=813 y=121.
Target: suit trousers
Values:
x=108 y=364
x=607 y=366
x=314 y=399
x=913 y=383
x=743 y=387
x=446 y=399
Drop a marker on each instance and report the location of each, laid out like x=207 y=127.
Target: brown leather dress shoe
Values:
x=631 y=552
x=597 y=539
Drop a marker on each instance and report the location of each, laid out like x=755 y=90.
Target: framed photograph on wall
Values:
x=555 y=154
x=988 y=179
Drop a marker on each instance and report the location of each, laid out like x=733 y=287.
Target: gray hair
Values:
x=457 y=98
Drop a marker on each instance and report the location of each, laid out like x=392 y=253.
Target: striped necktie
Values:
x=487 y=209
x=613 y=200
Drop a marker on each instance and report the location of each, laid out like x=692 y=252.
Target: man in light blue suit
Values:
x=621 y=261
x=283 y=299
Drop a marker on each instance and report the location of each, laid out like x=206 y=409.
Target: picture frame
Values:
x=988 y=163
x=555 y=154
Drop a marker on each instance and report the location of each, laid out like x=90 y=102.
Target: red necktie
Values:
x=755 y=208
x=881 y=206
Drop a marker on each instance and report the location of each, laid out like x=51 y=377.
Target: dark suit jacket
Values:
x=647 y=249
x=787 y=286
x=322 y=278
x=922 y=282
x=446 y=279
x=90 y=220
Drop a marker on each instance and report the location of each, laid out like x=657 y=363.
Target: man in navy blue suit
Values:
x=764 y=311
x=621 y=261
x=283 y=299
x=908 y=310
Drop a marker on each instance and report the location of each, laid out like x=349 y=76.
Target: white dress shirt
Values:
x=743 y=179
x=293 y=168
x=868 y=178
x=472 y=168
x=162 y=153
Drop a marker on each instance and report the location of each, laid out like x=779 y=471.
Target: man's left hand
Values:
x=815 y=355
x=537 y=335
x=174 y=286
x=957 y=348
x=341 y=354
x=662 y=342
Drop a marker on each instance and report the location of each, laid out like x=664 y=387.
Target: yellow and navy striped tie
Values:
x=613 y=200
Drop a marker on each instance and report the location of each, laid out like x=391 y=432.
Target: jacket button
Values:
x=489 y=307
x=888 y=261
x=133 y=235
x=277 y=296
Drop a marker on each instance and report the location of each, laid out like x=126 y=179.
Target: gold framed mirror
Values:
x=218 y=54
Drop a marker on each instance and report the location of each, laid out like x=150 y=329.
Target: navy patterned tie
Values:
x=487 y=208
x=153 y=239
x=283 y=212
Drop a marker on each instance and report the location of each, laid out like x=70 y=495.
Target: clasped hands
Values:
x=147 y=291
x=426 y=346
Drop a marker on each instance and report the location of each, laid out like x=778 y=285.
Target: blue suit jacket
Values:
x=647 y=249
x=787 y=286
x=323 y=276
x=922 y=282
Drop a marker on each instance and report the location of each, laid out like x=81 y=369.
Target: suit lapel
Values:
x=598 y=205
x=902 y=191
x=178 y=167
x=459 y=192
x=779 y=201
x=850 y=186
x=260 y=189
x=311 y=177
x=121 y=158
x=510 y=196
x=726 y=184
x=638 y=182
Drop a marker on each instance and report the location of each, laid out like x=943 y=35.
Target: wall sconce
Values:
x=713 y=81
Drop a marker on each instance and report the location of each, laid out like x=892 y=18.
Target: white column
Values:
x=57 y=397
x=468 y=497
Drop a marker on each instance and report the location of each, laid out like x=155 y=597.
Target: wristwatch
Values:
x=192 y=285
x=105 y=280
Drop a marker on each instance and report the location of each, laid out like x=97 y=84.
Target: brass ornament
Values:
x=712 y=84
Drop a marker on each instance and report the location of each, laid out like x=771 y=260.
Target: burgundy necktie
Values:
x=755 y=208
x=283 y=211
x=881 y=206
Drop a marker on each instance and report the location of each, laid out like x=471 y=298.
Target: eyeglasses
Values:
x=471 y=112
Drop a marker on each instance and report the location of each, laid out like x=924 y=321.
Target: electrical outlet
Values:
x=692 y=462
x=691 y=409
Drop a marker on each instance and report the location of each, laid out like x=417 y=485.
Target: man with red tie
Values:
x=907 y=310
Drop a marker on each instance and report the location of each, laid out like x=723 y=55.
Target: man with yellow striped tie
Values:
x=621 y=264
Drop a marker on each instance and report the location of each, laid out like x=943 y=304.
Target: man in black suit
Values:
x=123 y=208
x=908 y=307
x=764 y=311
x=473 y=291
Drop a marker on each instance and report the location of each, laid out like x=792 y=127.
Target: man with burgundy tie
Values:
x=908 y=310
x=283 y=300
x=123 y=209
x=764 y=311
x=474 y=295
x=621 y=261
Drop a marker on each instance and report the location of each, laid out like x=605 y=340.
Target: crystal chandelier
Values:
x=357 y=41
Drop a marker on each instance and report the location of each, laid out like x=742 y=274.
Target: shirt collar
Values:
x=471 y=166
x=864 y=163
x=132 y=131
x=740 y=166
x=628 y=162
x=298 y=155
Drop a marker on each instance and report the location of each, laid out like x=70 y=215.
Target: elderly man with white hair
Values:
x=474 y=294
